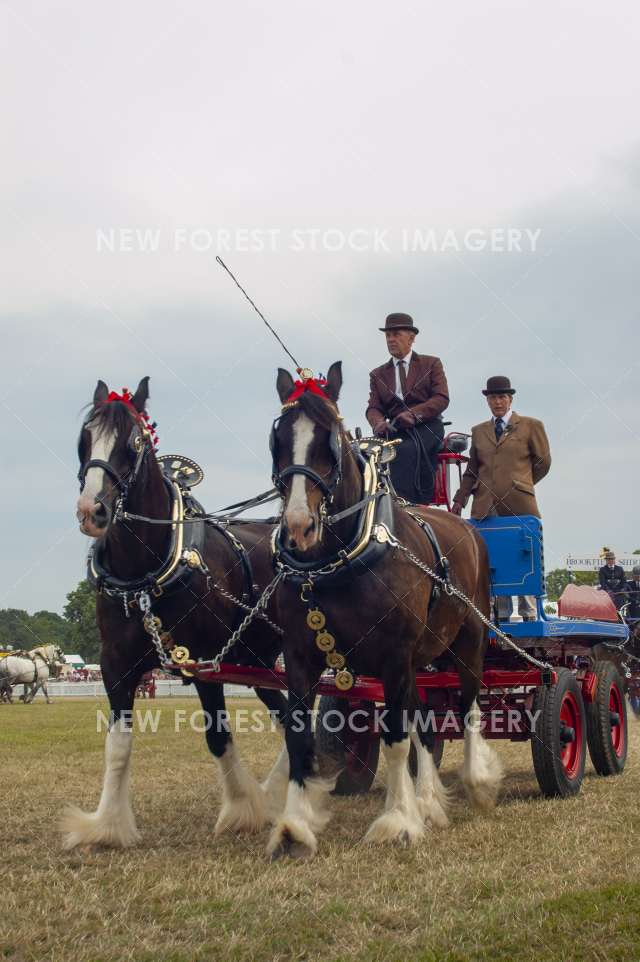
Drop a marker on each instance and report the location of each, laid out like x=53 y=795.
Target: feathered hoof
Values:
x=292 y=838
x=246 y=815
x=433 y=812
x=275 y=800
x=90 y=828
x=394 y=827
x=482 y=791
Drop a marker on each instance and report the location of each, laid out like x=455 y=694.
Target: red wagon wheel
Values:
x=558 y=741
x=607 y=731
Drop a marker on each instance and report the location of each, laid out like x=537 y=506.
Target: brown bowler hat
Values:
x=399 y=322
x=499 y=385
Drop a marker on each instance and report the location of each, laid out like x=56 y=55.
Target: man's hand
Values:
x=405 y=420
x=456 y=508
x=380 y=429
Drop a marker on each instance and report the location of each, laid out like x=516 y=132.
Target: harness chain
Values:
x=452 y=590
x=260 y=614
x=263 y=600
x=179 y=654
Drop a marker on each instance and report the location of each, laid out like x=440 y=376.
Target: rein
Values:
x=224 y=514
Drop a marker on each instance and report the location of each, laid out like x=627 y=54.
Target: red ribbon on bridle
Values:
x=127 y=398
x=314 y=385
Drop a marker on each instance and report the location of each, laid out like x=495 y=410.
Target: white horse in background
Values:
x=31 y=669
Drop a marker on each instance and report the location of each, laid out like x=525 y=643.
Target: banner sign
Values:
x=593 y=563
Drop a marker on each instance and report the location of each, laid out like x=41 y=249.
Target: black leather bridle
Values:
x=327 y=487
x=138 y=444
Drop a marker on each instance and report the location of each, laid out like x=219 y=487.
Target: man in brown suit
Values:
x=407 y=396
x=509 y=455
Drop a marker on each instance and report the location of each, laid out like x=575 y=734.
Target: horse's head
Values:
x=112 y=446
x=307 y=450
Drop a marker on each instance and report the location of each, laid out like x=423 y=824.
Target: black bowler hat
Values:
x=499 y=385
x=399 y=322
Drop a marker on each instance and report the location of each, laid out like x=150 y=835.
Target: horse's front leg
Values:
x=275 y=784
x=402 y=819
x=113 y=823
x=45 y=692
x=304 y=813
x=243 y=802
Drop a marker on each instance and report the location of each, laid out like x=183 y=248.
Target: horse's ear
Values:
x=284 y=384
x=141 y=396
x=334 y=381
x=100 y=394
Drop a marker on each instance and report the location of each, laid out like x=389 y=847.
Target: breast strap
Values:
x=441 y=561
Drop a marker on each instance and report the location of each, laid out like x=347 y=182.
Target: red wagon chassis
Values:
x=576 y=700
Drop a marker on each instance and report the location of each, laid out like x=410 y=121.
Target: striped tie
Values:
x=499 y=428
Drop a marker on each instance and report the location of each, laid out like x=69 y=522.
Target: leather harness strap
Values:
x=441 y=562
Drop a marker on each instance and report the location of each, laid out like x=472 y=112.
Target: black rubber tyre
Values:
x=607 y=728
x=558 y=743
x=438 y=751
x=355 y=752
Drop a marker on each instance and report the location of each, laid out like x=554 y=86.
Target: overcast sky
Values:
x=195 y=122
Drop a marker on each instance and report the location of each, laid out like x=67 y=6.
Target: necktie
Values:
x=499 y=426
x=403 y=377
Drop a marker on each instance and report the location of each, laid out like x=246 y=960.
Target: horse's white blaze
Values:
x=401 y=819
x=113 y=822
x=481 y=770
x=298 y=511
x=303 y=816
x=430 y=792
x=243 y=801
x=102 y=445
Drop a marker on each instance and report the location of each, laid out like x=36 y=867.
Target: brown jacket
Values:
x=501 y=475
x=427 y=391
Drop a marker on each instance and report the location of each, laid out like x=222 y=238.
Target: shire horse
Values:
x=119 y=470
x=381 y=621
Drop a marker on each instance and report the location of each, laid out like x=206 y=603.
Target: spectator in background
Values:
x=633 y=594
x=612 y=579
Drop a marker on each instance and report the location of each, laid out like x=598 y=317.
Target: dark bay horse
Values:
x=189 y=590
x=380 y=619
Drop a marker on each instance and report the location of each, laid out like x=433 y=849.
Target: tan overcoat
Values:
x=501 y=474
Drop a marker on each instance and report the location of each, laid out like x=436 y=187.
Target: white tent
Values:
x=76 y=661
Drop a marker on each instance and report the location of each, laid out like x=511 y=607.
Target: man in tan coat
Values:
x=509 y=455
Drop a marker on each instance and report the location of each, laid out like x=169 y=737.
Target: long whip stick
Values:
x=300 y=370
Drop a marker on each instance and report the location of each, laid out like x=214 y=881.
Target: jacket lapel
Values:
x=389 y=376
x=511 y=428
x=414 y=368
x=489 y=431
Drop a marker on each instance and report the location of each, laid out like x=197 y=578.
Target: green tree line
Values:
x=75 y=631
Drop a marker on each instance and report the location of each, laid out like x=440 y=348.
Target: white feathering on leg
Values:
x=401 y=819
x=243 y=802
x=482 y=769
x=113 y=823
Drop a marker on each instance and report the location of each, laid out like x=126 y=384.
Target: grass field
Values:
x=539 y=880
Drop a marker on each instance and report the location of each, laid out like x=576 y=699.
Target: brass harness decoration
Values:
x=326 y=642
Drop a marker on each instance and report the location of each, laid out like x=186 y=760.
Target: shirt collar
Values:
x=505 y=419
x=407 y=358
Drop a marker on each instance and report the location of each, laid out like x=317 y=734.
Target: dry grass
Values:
x=539 y=880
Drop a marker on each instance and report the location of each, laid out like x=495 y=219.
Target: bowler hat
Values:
x=499 y=385
x=609 y=556
x=399 y=322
